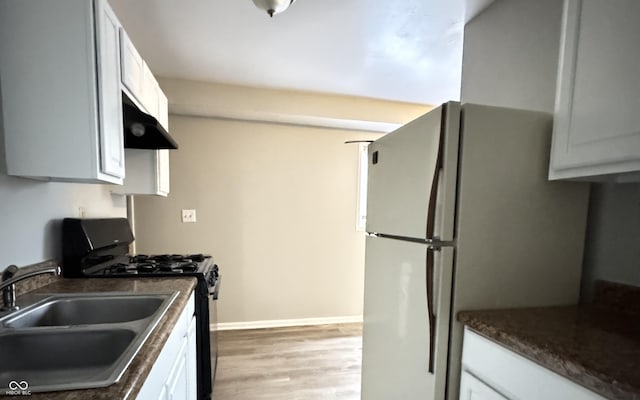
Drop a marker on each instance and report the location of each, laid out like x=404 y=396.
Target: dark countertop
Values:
x=596 y=346
x=136 y=373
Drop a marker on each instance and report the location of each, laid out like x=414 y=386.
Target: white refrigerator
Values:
x=460 y=216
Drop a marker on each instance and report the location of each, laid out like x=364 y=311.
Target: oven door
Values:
x=204 y=340
x=213 y=320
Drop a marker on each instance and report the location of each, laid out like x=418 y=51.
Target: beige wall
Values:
x=250 y=103
x=276 y=206
x=511 y=55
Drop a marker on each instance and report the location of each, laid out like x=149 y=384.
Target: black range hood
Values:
x=142 y=131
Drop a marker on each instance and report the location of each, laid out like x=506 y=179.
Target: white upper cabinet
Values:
x=140 y=84
x=163 y=172
x=147 y=170
x=147 y=173
x=132 y=66
x=61 y=90
x=163 y=109
x=110 y=99
x=150 y=88
x=597 y=121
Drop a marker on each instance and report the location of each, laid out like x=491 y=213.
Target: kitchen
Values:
x=31 y=209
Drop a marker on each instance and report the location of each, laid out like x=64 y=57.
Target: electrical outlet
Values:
x=82 y=212
x=188 y=215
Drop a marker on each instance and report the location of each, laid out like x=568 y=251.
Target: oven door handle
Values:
x=214 y=290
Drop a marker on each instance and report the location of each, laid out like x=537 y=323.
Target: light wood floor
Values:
x=297 y=363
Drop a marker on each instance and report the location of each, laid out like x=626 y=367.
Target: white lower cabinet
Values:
x=192 y=362
x=177 y=383
x=492 y=372
x=173 y=376
x=472 y=388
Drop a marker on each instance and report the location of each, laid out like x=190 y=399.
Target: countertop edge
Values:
x=602 y=384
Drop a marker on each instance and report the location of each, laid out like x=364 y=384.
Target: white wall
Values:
x=31 y=213
x=275 y=203
x=510 y=59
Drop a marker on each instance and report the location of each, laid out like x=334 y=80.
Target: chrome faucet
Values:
x=9 y=280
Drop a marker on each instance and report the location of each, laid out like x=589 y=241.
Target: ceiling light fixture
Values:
x=273 y=6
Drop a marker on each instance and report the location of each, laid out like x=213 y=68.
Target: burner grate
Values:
x=143 y=264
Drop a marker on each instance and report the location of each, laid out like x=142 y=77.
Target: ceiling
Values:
x=404 y=50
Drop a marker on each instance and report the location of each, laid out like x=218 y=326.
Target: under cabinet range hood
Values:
x=143 y=131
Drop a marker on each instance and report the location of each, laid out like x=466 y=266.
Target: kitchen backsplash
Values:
x=31 y=213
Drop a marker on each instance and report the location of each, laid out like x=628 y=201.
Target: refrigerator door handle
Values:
x=433 y=243
x=430 y=307
x=431 y=211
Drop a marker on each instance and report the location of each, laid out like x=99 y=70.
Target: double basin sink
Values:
x=76 y=341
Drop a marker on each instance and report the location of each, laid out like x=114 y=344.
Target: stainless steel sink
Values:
x=83 y=310
x=77 y=341
x=46 y=359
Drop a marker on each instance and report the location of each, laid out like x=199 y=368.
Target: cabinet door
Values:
x=132 y=66
x=164 y=395
x=192 y=362
x=109 y=91
x=472 y=388
x=177 y=384
x=597 y=124
x=168 y=377
x=148 y=173
x=163 y=109
x=163 y=172
x=149 y=97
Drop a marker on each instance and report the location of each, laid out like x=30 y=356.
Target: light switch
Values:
x=188 y=215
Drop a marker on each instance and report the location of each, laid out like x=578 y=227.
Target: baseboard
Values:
x=280 y=323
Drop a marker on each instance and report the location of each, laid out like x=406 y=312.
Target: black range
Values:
x=98 y=248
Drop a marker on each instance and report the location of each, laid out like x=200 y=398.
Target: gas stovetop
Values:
x=98 y=248
x=162 y=264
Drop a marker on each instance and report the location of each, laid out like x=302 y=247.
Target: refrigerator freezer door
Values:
x=395 y=354
x=402 y=166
